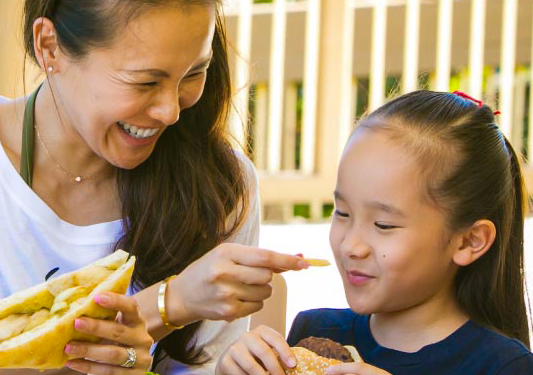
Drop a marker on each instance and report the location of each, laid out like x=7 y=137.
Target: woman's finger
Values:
x=95 y=368
x=109 y=354
x=254 y=257
x=126 y=305
x=251 y=293
x=112 y=331
x=250 y=275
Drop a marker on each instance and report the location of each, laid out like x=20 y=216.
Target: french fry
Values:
x=317 y=262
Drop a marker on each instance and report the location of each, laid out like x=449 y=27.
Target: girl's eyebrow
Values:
x=380 y=206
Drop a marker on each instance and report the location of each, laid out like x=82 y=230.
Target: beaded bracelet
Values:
x=161 y=303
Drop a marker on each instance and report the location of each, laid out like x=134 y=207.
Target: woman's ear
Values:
x=45 y=44
x=475 y=241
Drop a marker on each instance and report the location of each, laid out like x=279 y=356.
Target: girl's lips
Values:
x=358 y=278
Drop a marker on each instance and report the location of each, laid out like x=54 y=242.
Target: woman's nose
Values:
x=166 y=109
x=354 y=246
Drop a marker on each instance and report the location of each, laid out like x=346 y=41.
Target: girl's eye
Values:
x=340 y=213
x=384 y=226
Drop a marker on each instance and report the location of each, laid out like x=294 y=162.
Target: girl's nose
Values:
x=353 y=245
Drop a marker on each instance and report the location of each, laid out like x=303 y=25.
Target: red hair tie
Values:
x=478 y=102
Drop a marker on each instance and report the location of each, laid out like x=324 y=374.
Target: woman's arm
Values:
x=227 y=283
x=248 y=234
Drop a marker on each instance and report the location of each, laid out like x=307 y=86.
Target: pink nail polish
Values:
x=79 y=324
x=101 y=299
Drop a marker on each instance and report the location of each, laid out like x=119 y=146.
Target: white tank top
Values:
x=34 y=240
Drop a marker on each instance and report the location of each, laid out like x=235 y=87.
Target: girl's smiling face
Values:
x=120 y=99
x=390 y=241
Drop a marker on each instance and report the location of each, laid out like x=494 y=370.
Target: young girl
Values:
x=427 y=234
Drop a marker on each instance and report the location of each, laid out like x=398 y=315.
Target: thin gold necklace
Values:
x=75 y=177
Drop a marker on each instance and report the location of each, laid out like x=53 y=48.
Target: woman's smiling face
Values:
x=391 y=243
x=121 y=98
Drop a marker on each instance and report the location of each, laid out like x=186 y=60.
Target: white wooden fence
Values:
x=301 y=117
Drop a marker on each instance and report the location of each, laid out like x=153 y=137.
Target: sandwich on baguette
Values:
x=37 y=323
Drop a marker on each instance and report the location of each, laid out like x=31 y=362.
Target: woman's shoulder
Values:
x=248 y=167
x=11 y=115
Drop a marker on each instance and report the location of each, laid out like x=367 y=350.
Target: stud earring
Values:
x=50 y=69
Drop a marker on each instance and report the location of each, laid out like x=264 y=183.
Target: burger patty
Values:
x=326 y=348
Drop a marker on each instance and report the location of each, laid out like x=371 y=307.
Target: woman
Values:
x=128 y=148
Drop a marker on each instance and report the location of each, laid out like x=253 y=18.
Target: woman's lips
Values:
x=358 y=278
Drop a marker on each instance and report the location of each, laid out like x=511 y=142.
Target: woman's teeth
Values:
x=138 y=132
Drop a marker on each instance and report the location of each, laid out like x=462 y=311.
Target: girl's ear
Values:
x=45 y=43
x=476 y=241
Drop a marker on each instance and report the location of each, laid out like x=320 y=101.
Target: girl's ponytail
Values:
x=515 y=320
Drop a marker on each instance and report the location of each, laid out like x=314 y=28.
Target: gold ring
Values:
x=132 y=358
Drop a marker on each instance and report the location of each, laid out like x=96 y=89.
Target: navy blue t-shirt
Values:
x=470 y=350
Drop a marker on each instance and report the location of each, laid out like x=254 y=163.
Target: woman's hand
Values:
x=257 y=352
x=354 y=368
x=229 y=282
x=128 y=331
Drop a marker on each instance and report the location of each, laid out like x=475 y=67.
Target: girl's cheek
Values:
x=335 y=239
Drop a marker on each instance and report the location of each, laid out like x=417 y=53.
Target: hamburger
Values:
x=315 y=354
x=37 y=323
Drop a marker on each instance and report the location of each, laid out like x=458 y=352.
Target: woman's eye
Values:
x=340 y=213
x=385 y=226
x=197 y=74
x=148 y=84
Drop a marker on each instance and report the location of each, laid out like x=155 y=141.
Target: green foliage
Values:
x=302 y=210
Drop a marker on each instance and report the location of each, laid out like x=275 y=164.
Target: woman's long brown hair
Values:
x=473 y=173
x=176 y=205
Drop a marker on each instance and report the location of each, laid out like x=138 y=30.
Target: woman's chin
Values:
x=128 y=163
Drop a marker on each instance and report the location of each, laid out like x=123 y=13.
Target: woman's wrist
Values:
x=176 y=309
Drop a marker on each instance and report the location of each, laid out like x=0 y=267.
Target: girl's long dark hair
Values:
x=473 y=174
x=176 y=205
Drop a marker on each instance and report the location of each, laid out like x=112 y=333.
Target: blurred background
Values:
x=304 y=71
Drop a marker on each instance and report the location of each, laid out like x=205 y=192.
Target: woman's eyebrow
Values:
x=153 y=72
x=203 y=64
x=163 y=74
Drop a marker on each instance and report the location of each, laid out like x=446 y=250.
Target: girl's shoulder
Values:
x=335 y=324
x=474 y=348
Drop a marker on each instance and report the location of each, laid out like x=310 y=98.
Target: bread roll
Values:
x=310 y=363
